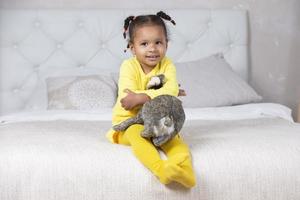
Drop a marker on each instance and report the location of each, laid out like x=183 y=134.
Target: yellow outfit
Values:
x=178 y=167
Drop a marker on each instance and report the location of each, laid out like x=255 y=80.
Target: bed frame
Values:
x=36 y=41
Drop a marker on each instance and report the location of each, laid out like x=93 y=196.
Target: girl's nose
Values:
x=152 y=47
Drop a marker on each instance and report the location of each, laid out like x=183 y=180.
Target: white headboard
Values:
x=36 y=41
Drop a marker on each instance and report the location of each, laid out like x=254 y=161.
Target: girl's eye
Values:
x=158 y=42
x=144 y=44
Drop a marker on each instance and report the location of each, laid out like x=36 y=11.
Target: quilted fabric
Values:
x=32 y=41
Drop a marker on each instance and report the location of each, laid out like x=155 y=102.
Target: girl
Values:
x=148 y=42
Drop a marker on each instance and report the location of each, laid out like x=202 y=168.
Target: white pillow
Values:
x=91 y=92
x=211 y=82
x=38 y=100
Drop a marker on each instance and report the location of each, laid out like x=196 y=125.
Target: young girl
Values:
x=148 y=41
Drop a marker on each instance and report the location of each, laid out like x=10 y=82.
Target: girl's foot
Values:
x=176 y=171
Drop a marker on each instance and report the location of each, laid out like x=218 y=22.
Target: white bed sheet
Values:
x=246 y=111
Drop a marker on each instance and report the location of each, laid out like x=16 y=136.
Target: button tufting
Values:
x=59 y=45
x=103 y=45
x=15 y=46
x=33 y=107
x=16 y=90
x=55 y=45
x=80 y=24
x=37 y=24
x=36 y=66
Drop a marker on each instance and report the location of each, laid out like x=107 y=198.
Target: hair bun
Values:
x=163 y=15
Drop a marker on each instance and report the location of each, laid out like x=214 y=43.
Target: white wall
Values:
x=274 y=45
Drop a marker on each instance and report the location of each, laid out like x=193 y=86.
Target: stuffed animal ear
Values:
x=156 y=82
x=162 y=78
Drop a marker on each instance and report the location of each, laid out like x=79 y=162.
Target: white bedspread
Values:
x=247 y=159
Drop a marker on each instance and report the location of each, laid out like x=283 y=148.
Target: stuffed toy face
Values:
x=156 y=82
x=162 y=116
x=163 y=130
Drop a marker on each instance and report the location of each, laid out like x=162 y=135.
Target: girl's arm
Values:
x=127 y=95
x=130 y=96
x=133 y=99
x=170 y=87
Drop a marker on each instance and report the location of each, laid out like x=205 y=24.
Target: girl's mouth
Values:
x=154 y=57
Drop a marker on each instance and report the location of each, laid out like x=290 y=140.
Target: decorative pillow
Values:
x=38 y=99
x=81 y=92
x=211 y=82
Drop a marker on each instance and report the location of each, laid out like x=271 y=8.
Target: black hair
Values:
x=132 y=22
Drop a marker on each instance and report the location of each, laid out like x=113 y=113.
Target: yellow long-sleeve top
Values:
x=132 y=77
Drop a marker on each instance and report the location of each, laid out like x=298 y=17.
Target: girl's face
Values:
x=149 y=46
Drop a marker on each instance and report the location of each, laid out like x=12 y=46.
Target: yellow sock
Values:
x=162 y=168
x=145 y=152
x=179 y=170
x=178 y=158
x=176 y=170
x=159 y=170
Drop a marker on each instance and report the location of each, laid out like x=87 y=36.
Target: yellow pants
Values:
x=178 y=166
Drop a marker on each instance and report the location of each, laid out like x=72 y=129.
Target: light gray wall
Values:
x=274 y=38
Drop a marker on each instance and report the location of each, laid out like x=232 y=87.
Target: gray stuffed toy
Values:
x=162 y=116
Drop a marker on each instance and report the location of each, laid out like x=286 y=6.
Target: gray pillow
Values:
x=211 y=82
x=81 y=92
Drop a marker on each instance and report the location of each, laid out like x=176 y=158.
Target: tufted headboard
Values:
x=36 y=41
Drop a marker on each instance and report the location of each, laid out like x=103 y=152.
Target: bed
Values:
x=58 y=85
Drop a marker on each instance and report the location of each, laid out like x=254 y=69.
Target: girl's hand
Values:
x=130 y=100
x=181 y=92
x=133 y=99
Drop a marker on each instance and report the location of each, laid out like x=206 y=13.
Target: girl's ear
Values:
x=131 y=47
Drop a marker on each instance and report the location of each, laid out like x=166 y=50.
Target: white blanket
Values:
x=249 y=159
